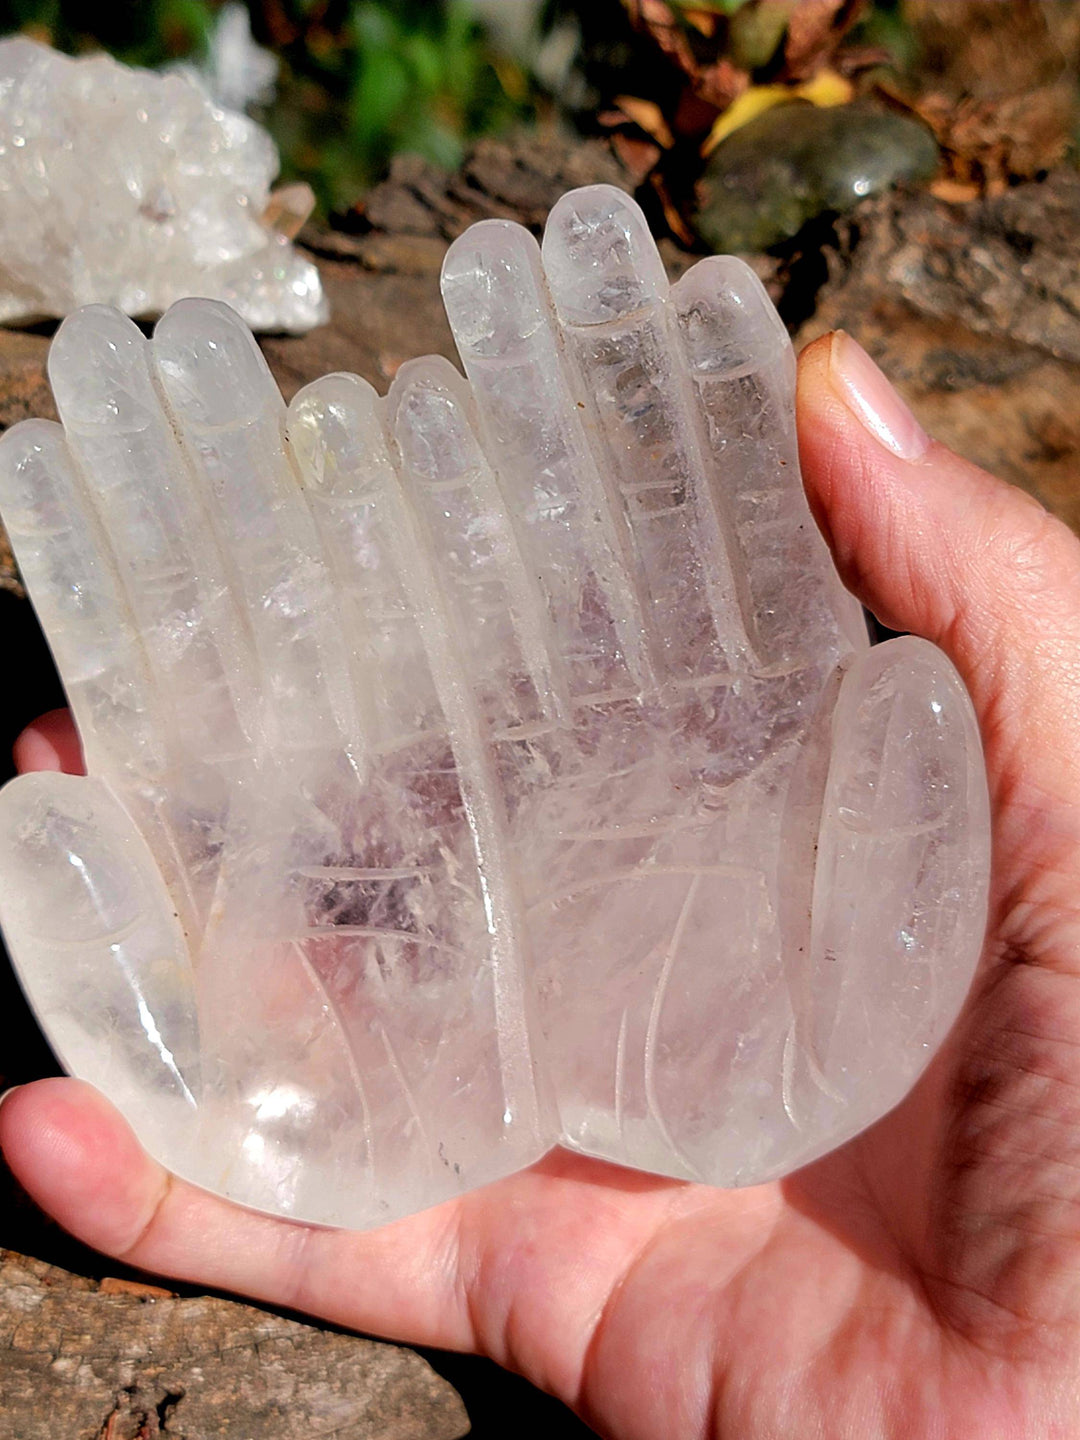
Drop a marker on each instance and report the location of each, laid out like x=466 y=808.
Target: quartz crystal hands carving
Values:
x=496 y=764
x=133 y=189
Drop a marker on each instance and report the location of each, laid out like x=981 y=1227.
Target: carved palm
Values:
x=495 y=764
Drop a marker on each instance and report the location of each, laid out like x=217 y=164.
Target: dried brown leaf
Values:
x=648 y=116
x=815 y=30
x=659 y=21
x=672 y=213
x=704 y=21
x=637 y=155
x=113 y=1285
x=721 y=83
x=993 y=142
x=954 y=192
x=854 y=60
x=987 y=49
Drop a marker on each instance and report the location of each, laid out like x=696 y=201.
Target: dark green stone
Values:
x=763 y=183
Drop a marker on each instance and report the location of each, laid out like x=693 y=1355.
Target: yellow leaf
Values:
x=747 y=106
x=826 y=88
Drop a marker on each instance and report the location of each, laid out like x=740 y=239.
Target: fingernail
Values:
x=8 y=1093
x=873 y=401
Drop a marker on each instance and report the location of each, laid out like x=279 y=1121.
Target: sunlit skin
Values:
x=922 y=1281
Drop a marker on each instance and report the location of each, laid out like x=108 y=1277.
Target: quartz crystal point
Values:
x=128 y=188
x=492 y=765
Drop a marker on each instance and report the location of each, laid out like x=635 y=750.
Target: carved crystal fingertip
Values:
x=601 y=261
x=428 y=406
x=30 y=454
x=336 y=430
x=75 y=588
x=64 y=868
x=742 y=369
x=729 y=322
x=336 y=433
x=212 y=369
x=99 y=372
x=493 y=290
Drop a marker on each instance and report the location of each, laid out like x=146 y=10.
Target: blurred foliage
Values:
x=366 y=80
x=360 y=80
x=665 y=80
x=139 y=32
x=692 y=58
x=885 y=26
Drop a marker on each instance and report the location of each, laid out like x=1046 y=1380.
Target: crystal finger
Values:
x=71 y=574
x=611 y=294
x=117 y=430
x=535 y=429
x=743 y=370
x=232 y=419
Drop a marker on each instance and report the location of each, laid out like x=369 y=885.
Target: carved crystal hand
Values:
x=497 y=764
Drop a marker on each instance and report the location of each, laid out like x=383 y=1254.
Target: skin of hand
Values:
x=924 y=1280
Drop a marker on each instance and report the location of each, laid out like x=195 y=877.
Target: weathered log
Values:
x=82 y=1360
x=973 y=311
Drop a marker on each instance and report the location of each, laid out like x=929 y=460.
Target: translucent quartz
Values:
x=132 y=189
x=496 y=765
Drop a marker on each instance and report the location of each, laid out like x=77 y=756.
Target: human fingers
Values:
x=519 y=1270
x=50 y=742
x=81 y=1162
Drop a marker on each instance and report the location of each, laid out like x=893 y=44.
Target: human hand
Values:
x=922 y=1280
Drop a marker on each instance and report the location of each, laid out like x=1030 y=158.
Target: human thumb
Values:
x=934 y=545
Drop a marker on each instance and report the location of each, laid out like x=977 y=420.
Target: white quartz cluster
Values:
x=496 y=764
x=127 y=188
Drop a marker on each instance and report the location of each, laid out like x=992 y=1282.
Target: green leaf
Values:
x=425 y=61
x=382 y=87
